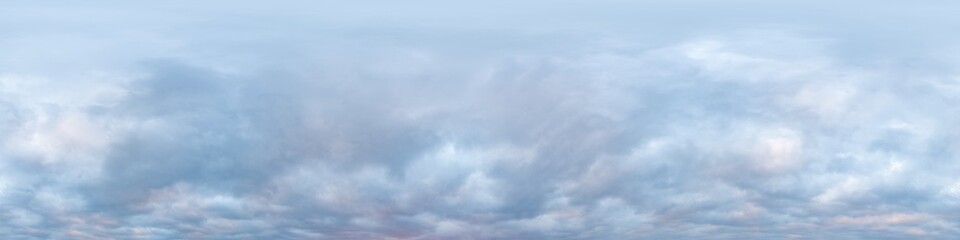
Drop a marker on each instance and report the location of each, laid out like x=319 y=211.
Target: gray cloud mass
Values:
x=436 y=120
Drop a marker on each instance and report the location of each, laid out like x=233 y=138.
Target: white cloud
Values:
x=250 y=121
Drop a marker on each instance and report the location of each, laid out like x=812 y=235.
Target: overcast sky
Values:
x=285 y=119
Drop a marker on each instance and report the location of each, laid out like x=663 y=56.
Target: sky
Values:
x=431 y=120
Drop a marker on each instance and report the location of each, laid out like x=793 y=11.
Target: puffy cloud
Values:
x=248 y=121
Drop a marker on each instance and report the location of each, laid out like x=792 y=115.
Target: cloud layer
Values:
x=607 y=120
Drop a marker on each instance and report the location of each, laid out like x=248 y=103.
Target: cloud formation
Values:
x=486 y=121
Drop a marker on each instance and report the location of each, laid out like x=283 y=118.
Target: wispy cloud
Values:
x=606 y=120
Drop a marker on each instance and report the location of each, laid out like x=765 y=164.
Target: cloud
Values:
x=388 y=124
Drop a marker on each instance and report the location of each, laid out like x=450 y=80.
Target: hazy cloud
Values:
x=434 y=120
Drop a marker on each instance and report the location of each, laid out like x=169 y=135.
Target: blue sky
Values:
x=479 y=120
